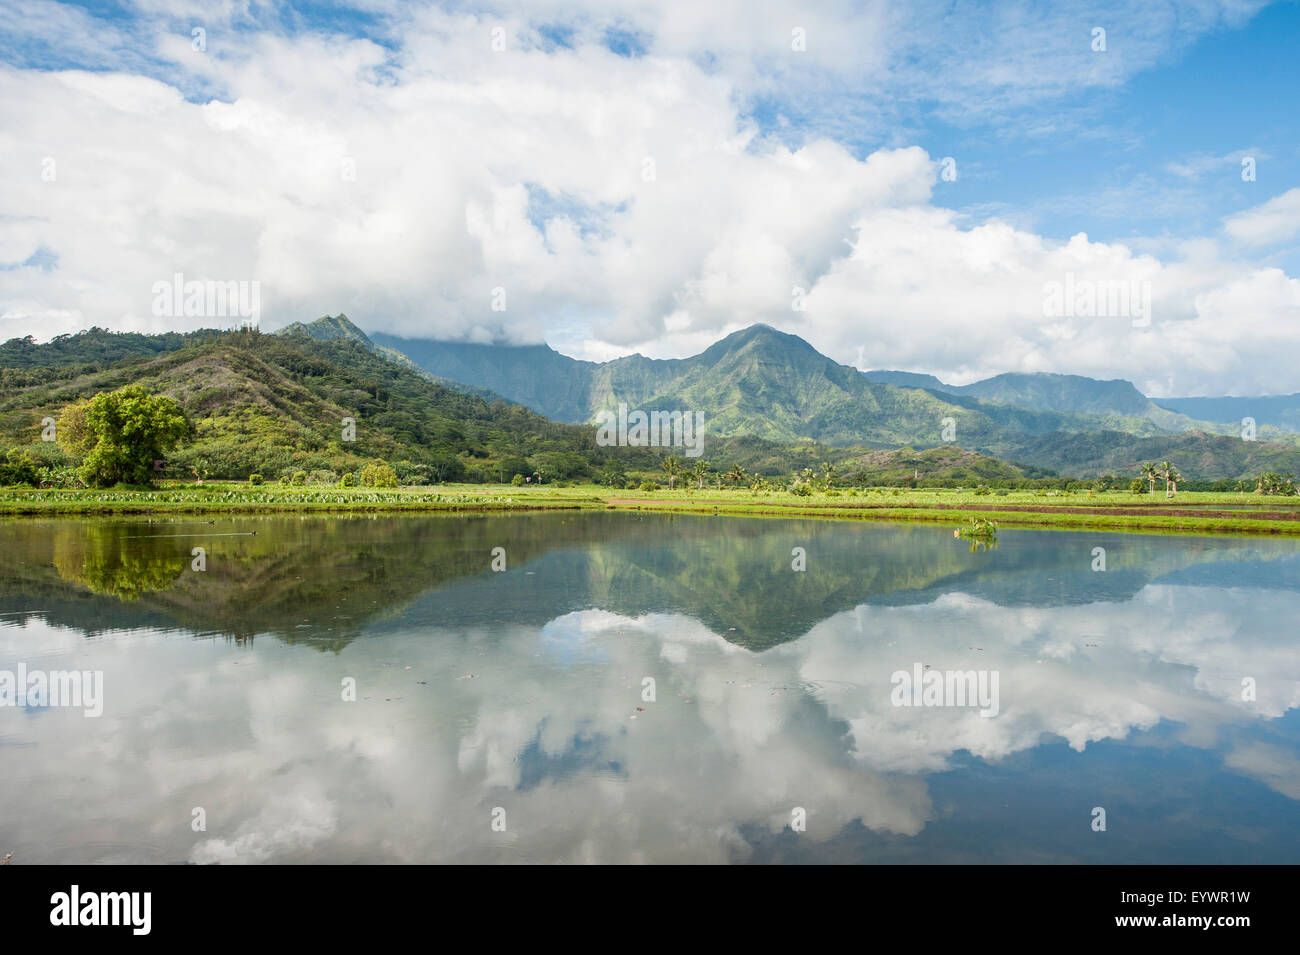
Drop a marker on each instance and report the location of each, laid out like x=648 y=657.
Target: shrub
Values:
x=322 y=477
x=649 y=485
x=19 y=467
x=801 y=490
x=256 y=479
x=299 y=478
x=285 y=479
x=517 y=480
x=348 y=480
x=378 y=474
x=409 y=473
x=60 y=476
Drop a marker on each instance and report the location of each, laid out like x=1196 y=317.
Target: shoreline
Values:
x=1195 y=512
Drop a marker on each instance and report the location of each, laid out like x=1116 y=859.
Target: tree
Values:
x=1136 y=486
x=1270 y=482
x=380 y=474
x=125 y=431
x=672 y=466
x=72 y=431
x=700 y=471
x=1149 y=471
x=445 y=466
x=1172 y=477
x=735 y=474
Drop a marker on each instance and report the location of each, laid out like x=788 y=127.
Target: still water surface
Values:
x=518 y=695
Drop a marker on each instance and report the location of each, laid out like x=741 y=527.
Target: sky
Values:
x=1108 y=189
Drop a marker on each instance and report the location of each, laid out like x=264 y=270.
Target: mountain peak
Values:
x=328 y=328
x=759 y=336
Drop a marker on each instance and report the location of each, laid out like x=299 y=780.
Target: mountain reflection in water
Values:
x=524 y=690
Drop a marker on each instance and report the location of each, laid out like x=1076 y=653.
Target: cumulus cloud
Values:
x=1276 y=220
x=417 y=179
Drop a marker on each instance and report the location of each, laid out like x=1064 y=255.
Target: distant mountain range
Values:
x=766 y=383
x=770 y=402
x=1279 y=411
x=1116 y=396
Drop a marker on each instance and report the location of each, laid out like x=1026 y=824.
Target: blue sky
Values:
x=775 y=167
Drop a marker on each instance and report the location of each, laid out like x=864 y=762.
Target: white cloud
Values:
x=1276 y=220
x=458 y=150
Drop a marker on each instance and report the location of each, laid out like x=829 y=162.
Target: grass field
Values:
x=1190 y=511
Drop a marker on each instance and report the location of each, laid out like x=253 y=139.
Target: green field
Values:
x=1189 y=511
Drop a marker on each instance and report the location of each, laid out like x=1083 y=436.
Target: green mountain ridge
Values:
x=770 y=401
x=760 y=382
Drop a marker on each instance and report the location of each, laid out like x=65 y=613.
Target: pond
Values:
x=620 y=687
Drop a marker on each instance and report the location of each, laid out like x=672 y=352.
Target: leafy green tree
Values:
x=672 y=466
x=445 y=466
x=509 y=467
x=378 y=474
x=700 y=470
x=1270 y=482
x=72 y=431
x=125 y=431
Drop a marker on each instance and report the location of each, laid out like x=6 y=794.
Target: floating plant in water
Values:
x=981 y=532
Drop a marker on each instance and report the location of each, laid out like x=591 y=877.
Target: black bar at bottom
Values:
x=333 y=904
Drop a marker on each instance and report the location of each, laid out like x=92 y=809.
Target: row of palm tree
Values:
x=736 y=475
x=1166 y=470
x=673 y=468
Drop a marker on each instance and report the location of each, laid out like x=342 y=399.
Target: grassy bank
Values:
x=222 y=498
x=1197 y=512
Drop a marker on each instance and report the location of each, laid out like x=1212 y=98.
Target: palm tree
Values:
x=1172 y=478
x=700 y=471
x=736 y=474
x=672 y=467
x=1163 y=471
x=1149 y=472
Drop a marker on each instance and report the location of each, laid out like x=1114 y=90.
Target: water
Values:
x=517 y=696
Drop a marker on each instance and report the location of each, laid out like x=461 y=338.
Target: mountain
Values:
x=757 y=381
x=763 y=383
x=908 y=379
x=331 y=328
x=275 y=404
x=1279 y=411
x=1066 y=393
x=771 y=403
